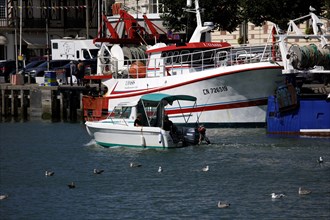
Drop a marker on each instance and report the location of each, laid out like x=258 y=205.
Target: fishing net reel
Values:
x=309 y=56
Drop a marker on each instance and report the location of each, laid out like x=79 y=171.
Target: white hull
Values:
x=226 y=95
x=231 y=84
x=109 y=135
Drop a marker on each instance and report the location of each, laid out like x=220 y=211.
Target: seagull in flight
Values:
x=96 y=171
x=205 y=169
x=277 y=196
x=222 y=205
x=302 y=191
x=49 y=173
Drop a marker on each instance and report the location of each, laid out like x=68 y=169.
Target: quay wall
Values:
x=31 y=101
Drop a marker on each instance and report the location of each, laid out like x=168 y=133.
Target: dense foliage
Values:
x=224 y=13
x=278 y=12
x=228 y=14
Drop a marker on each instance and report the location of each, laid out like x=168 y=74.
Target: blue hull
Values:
x=305 y=116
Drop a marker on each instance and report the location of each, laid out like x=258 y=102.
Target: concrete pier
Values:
x=31 y=101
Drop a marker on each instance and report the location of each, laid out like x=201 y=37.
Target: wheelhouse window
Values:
x=175 y=57
x=197 y=56
x=185 y=56
x=169 y=57
x=208 y=57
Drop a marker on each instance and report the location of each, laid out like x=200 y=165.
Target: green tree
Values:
x=326 y=9
x=224 y=13
x=278 y=12
x=228 y=14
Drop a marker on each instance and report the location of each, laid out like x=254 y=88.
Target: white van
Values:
x=73 y=49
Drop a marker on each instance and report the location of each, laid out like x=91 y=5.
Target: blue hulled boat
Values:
x=300 y=114
x=301 y=106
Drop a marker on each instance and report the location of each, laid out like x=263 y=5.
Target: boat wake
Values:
x=90 y=143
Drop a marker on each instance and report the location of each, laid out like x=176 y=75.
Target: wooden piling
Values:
x=31 y=101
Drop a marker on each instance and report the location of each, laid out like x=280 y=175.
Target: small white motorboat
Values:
x=119 y=129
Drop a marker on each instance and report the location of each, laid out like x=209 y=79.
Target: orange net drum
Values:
x=137 y=70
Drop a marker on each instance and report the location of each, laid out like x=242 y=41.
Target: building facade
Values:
x=26 y=26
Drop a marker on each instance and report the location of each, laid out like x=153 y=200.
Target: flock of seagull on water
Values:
x=301 y=191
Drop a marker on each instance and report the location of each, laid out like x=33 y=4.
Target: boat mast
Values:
x=196 y=37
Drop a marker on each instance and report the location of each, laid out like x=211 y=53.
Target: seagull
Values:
x=277 y=196
x=205 y=169
x=2 y=197
x=311 y=8
x=134 y=165
x=222 y=205
x=96 y=171
x=71 y=185
x=302 y=191
x=160 y=169
x=320 y=160
x=49 y=173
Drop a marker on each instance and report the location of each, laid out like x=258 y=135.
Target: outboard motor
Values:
x=189 y=135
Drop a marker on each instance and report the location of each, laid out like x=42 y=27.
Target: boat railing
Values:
x=182 y=62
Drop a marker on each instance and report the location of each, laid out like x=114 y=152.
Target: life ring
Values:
x=137 y=70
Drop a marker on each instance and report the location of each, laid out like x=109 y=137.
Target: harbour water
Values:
x=246 y=166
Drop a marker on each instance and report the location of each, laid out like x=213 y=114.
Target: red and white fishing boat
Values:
x=231 y=84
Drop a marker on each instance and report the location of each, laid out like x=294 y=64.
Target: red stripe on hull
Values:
x=126 y=94
x=219 y=107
